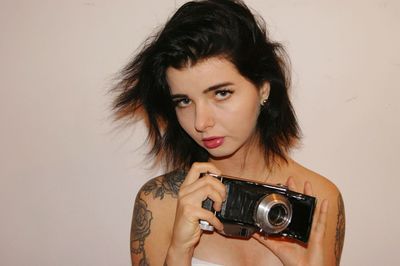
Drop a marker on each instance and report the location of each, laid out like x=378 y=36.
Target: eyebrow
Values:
x=212 y=88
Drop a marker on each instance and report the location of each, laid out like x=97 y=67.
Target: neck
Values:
x=248 y=164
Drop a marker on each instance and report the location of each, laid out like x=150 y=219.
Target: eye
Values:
x=223 y=94
x=182 y=102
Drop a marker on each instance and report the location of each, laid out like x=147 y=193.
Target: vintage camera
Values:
x=254 y=207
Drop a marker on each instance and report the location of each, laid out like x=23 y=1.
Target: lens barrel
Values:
x=273 y=213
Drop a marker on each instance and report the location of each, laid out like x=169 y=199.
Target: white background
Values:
x=69 y=175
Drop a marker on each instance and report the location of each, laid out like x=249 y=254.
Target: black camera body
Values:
x=255 y=207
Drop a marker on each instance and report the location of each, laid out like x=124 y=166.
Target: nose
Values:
x=204 y=118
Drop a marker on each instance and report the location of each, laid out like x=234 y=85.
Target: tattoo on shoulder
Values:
x=142 y=216
x=340 y=229
x=169 y=184
x=140 y=229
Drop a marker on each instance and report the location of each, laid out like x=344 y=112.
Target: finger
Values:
x=323 y=217
x=211 y=218
x=214 y=195
x=291 y=184
x=207 y=180
x=271 y=244
x=196 y=197
x=197 y=169
x=320 y=225
x=308 y=188
x=193 y=214
x=259 y=237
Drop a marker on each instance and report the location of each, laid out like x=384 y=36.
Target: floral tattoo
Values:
x=141 y=221
x=169 y=184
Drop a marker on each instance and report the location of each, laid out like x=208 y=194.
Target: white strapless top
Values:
x=197 y=262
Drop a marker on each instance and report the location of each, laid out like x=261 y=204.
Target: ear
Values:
x=264 y=91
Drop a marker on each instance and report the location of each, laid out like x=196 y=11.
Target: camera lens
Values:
x=273 y=213
x=277 y=215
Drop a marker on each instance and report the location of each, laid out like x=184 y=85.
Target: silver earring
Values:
x=263 y=102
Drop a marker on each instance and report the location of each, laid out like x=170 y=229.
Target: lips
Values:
x=213 y=142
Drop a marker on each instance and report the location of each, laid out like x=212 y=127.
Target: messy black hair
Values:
x=197 y=31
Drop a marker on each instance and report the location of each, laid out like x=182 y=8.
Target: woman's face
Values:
x=216 y=105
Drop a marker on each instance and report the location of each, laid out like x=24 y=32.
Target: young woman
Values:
x=213 y=91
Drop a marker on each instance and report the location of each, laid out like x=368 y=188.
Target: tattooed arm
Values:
x=140 y=230
x=335 y=233
x=335 y=228
x=340 y=229
x=334 y=236
x=153 y=218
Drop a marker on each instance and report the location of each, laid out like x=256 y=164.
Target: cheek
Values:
x=185 y=120
x=242 y=114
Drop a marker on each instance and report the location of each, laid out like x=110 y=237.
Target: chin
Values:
x=221 y=153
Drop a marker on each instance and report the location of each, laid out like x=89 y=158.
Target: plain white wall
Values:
x=68 y=178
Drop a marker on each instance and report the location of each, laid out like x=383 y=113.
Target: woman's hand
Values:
x=295 y=254
x=193 y=191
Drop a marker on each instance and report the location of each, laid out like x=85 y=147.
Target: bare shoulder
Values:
x=323 y=188
x=153 y=218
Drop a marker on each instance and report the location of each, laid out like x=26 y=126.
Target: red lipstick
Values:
x=213 y=142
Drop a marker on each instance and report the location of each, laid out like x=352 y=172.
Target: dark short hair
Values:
x=200 y=30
